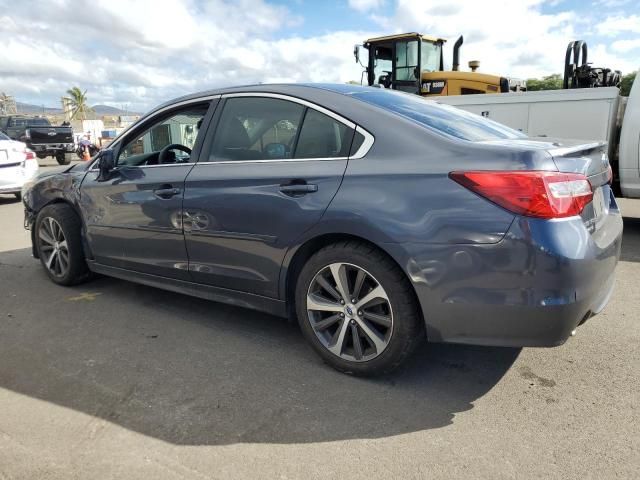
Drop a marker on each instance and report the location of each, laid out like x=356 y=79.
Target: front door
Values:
x=269 y=174
x=134 y=219
x=406 y=69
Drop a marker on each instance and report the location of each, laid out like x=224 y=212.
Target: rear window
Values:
x=38 y=122
x=442 y=118
x=3 y=136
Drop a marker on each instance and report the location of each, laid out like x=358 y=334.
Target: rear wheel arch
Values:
x=313 y=245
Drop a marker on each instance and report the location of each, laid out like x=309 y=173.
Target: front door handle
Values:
x=298 y=188
x=166 y=193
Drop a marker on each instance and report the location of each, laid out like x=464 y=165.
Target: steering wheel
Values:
x=174 y=146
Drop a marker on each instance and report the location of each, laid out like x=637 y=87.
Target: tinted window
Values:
x=442 y=118
x=17 y=122
x=323 y=137
x=358 y=140
x=38 y=122
x=254 y=128
x=3 y=136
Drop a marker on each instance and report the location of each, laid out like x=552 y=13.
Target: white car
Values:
x=18 y=165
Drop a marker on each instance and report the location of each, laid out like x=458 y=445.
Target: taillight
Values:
x=530 y=193
x=29 y=155
x=610 y=175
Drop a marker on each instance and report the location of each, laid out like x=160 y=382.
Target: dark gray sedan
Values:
x=378 y=219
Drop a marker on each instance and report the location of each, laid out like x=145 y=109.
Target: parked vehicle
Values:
x=18 y=165
x=40 y=136
x=372 y=216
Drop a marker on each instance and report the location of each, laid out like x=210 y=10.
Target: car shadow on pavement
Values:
x=192 y=372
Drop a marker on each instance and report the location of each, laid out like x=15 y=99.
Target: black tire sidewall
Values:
x=407 y=322
x=71 y=227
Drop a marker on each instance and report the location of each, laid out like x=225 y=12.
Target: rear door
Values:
x=270 y=170
x=134 y=219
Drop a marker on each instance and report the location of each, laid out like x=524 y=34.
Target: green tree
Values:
x=550 y=82
x=625 y=84
x=79 y=106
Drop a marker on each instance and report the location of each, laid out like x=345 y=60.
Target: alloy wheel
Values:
x=53 y=247
x=350 y=312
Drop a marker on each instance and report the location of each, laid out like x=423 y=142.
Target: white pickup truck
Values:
x=599 y=114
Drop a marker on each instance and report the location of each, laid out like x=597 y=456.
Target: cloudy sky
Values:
x=141 y=52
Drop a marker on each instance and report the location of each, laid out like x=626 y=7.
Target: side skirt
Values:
x=208 y=292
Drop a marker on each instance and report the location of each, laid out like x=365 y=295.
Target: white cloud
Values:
x=625 y=45
x=366 y=5
x=615 y=25
x=143 y=52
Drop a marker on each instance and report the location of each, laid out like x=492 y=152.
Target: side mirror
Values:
x=356 y=53
x=106 y=163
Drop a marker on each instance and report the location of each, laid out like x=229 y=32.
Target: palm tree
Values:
x=79 y=106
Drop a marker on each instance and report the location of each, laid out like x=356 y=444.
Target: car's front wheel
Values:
x=357 y=309
x=59 y=244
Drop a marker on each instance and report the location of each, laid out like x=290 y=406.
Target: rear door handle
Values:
x=166 y=193
x=298 y=189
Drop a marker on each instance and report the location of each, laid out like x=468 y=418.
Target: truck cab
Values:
x=414 y=63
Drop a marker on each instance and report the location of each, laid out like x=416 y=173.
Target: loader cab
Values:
x=398 y=61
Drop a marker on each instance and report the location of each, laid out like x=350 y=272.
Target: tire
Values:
x=63 y=159
x=18 y=195
x=397 y=337
x=55 y=225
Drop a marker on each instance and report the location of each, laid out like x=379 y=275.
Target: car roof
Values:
x=292 y=89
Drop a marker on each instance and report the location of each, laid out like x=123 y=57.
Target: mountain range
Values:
x=100 y=110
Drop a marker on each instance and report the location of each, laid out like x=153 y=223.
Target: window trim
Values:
x=116 y=145
x=360 y=153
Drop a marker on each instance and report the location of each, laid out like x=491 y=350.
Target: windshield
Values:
x=441 y=118
x=430 y=56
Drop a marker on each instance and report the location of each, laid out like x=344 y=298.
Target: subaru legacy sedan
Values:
x=378 y=219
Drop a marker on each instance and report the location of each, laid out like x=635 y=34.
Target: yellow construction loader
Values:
x=414 y=63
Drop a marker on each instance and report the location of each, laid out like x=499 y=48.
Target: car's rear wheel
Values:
x=59 y=244
x=357 y=309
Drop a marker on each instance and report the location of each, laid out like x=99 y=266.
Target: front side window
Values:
x=256 y=128
x=406 y=60
x=178 y=131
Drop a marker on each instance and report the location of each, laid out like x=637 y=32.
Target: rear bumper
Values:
x=62 y=147
x=533 y=288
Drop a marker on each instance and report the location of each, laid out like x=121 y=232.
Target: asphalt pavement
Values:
x=115 y=380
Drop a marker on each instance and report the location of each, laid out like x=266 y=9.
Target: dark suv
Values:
x=373 y=217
